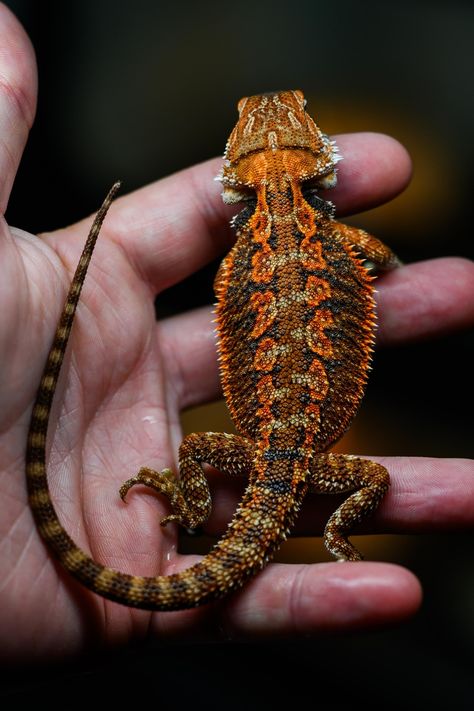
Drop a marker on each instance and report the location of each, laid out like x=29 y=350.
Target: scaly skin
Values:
x=295 y=318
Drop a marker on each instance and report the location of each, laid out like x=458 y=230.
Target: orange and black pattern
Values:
x=295 y=319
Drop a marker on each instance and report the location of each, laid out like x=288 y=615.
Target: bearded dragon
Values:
x=295 y=320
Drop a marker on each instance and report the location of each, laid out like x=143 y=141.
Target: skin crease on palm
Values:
x=125 y=380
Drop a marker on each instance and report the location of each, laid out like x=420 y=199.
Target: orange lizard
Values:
x=295 y=319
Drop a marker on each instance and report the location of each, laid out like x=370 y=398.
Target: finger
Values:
x=173 y=227
x=17 y=98
x=428 y=494
x=424 y=299
x=375 y=168
x=294 y=600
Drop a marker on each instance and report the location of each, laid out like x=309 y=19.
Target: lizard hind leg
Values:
x=339 y=473
x=189 y=495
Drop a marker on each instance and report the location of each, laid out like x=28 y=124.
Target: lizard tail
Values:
x=242 y=551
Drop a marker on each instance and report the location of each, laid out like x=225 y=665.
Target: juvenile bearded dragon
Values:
x=295 y=319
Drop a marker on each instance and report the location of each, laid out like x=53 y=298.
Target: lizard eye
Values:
x=299 y=94
x=241 y=103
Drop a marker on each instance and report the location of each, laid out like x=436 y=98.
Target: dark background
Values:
x=136 y=90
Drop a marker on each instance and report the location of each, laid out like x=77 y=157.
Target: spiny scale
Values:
x=295 y=319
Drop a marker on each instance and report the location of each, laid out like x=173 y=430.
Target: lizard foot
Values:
x=339 y=546
x=166 y=483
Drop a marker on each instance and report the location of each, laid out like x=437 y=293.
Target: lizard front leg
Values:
x=372 y=248
x=339 y=473
x=189 y=494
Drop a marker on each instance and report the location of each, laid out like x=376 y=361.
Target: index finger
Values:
x=173 y=227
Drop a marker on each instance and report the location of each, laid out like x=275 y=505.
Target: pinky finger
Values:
x=305 y=600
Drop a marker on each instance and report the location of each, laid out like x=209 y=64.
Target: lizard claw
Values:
x=126 y=486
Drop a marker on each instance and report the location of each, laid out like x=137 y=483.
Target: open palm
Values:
x=127 y=377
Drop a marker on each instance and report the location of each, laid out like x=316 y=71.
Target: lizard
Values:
x=295 y=320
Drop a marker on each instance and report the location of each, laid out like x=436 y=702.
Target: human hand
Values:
x=125 y=381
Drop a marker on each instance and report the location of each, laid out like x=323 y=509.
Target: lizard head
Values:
x=276 y=123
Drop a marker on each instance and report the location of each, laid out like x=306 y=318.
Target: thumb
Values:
x=18 y=85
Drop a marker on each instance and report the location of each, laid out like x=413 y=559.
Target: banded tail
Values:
x=225 y=568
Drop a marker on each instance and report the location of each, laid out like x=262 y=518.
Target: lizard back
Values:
x=295 y=309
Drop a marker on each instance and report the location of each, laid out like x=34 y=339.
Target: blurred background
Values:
x=140 y=89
